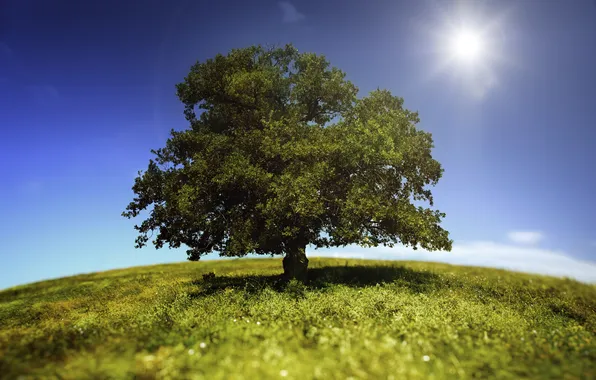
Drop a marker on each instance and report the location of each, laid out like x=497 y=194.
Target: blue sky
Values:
x=87 y=89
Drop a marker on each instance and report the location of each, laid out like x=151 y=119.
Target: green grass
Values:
x=354 y=319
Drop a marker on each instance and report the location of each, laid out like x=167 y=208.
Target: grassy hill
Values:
x=354 y=319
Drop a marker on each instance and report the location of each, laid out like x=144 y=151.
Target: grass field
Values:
x=354 y=319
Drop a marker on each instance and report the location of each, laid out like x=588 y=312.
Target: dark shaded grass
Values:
x=326 y=277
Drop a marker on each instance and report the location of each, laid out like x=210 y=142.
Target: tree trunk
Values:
x=295 y=263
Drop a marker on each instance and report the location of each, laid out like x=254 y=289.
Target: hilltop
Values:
x=354 y=318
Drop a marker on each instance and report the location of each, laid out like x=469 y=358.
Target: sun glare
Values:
x=467 y=45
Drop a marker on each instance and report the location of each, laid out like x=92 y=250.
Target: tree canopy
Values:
x=280 y=153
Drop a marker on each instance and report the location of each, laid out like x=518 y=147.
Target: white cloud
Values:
x=526 y=237
x=481 y=253
x=290 y=13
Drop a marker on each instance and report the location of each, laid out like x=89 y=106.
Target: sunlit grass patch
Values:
x=360 y=319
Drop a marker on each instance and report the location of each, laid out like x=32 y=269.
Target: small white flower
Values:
x=426 y=358
x=247 y=321
x=202 y=345
x=234 y=319
x=534 y=332
x=191 y=352
x=283 y=373
x=258 y=323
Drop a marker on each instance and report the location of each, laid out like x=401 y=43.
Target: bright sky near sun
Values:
x=467 y=45
x=506 y=87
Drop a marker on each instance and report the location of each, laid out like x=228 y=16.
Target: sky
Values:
x=87 y=89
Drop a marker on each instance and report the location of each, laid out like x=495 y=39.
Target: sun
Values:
x=467 y=45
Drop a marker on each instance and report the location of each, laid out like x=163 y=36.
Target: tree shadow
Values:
x=368 y=275
x=251 y=284
x=325 y=277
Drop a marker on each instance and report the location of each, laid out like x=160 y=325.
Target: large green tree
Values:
x=279 y=154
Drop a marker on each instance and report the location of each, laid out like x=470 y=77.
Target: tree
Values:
x=280 y=154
